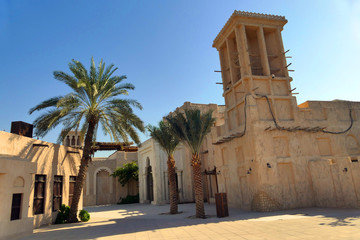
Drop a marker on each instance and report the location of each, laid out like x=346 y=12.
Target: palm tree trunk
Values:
x=198 y=188
x=80 y=179
x=172 y=187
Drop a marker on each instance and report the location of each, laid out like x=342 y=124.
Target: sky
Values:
x=165 y=49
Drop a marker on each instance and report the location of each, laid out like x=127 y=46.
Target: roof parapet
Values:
x=245 y=14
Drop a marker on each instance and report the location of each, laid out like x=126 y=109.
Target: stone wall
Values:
x=21 y=159
x=101 y=188
x=276 y=154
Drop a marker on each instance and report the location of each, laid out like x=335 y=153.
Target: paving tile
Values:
x=145 y=222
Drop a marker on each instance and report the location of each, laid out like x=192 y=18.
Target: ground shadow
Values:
x=140 y=217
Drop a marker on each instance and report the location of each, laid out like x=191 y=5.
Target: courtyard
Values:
x=142 y=221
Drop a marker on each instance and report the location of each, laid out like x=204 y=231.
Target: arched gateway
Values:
x=149 y=182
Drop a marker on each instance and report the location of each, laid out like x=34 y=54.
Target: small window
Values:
x=57 y=192
x=72 y=182
x=39 y=194
x=73 y=141
x=354 y=159
x=16 y=206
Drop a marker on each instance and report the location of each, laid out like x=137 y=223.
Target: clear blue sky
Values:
x=164 y=48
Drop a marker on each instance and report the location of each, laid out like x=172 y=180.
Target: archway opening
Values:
x=103 y=195
x=149 y=182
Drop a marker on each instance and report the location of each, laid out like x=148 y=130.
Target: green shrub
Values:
x=130 y=199
x=129 y=171
x=63 y=214
x=84 y=216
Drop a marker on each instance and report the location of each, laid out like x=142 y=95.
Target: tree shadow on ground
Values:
x=340 y=222
x=137 y=218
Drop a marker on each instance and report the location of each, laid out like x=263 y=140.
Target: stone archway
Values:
x=103 y=186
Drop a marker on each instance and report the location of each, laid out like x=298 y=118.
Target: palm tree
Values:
x=192 y=128
x=168 y=141
x=93 y=101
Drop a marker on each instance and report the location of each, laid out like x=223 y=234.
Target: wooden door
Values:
x=102 y=188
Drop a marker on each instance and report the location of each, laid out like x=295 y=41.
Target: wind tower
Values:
x=253 y=61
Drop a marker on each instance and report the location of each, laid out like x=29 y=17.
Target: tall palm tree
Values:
x=93 y=101
x=168 y=141
x=192 y=128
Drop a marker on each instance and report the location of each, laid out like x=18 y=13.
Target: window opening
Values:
x=16 y=206
x=72 y=182
x=39 y=194
x=57 y=192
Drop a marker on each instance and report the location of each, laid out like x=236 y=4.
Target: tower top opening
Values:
x=243 y=17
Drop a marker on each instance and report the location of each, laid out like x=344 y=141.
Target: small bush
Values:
x=130 y=199
x=84 y=216
x=63 y=214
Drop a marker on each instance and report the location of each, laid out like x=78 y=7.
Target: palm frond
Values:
x=94 y=98
x=47 y=121
x=191 y=127
x=93 y=73
x=52 y=102
x=164 y=136
x=123 y=103
x=71 y=81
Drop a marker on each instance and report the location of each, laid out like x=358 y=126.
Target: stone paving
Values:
x=148 y=222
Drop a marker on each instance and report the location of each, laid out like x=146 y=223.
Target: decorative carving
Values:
x=262 y=202
x=19 y=182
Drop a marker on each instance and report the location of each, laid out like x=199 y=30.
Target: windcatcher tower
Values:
x=271 y=154
x=253 y=61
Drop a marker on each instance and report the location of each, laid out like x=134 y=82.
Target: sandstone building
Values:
x=36 y=177
x=100 y=188
x=153 y=178
x=269 y=153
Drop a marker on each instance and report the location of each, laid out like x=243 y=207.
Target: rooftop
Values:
x=249 y=15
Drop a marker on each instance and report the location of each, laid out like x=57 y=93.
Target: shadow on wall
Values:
x=24 y=152
x=35 y=148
